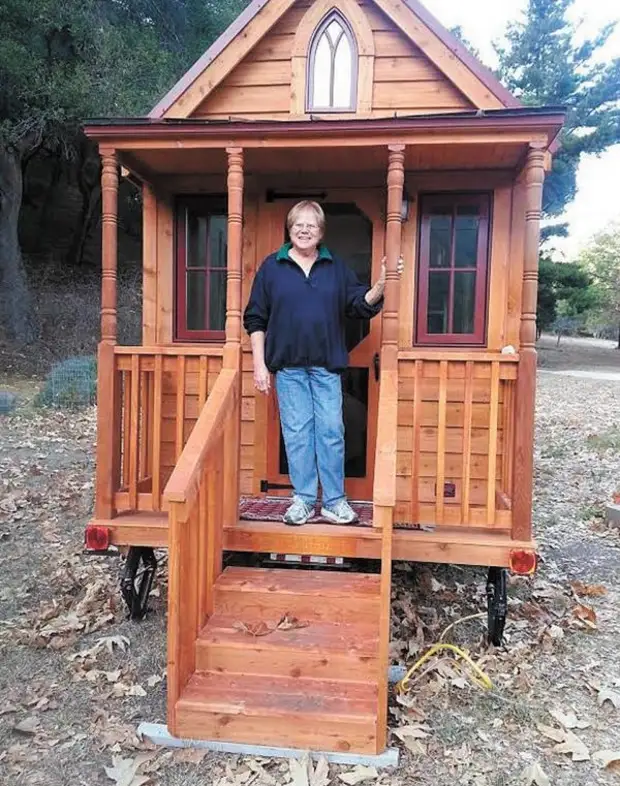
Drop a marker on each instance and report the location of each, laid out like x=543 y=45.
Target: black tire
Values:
x=497 y=605
x=137 y=580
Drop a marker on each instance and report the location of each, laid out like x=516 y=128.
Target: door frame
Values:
x=272 y=216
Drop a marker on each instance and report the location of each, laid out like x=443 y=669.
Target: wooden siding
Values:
x=405 y=81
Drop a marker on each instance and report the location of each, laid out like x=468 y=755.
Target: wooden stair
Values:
x=313 y=687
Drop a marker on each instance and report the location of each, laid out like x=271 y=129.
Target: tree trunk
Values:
x=618 y=347
x=15 y=306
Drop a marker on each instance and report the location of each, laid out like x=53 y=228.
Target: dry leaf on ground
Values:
x=28 y=726
x=359 y=774
x=585 y=614
x=569 y=720
x=609 y=695
x=110 y=642
x=588 y=590
x=573 y=746
x=299 y=771
x=320 y=776
x=124 y=771
x=254 y=628
x=534 y=776
x=607 y=760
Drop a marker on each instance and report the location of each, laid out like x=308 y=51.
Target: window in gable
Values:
x=332 y=67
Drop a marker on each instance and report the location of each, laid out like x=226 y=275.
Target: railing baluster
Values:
x=157 y=416
x=180 y=411
x=126 y=425
x=508 y=429
x=143 y=434
x=415 y=447
x=134 y=425
x=493 y=418
x=203 y=381
x=467 y=423
x=441 y=442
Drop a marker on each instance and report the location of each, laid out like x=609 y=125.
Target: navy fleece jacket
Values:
x=304 y=317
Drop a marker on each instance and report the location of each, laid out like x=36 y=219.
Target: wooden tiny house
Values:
x=412 y=147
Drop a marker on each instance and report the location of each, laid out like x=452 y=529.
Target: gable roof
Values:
x=456 y=48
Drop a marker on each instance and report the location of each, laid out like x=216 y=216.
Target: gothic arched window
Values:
x=332 y=67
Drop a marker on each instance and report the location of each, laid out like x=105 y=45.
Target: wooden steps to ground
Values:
x=312 y=687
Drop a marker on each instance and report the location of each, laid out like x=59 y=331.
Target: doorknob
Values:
x=376 y=365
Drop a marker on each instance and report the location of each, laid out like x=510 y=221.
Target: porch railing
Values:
x=455 y=438
x=154 y=397
x=196 y=498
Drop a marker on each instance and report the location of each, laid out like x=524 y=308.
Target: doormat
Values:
x=274 y=508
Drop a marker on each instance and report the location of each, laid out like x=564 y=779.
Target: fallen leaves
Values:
x=588 y=590
x=585 y=615
x=607 y=760
x=534 y=776
x=606 y=694
x=411 y=736
x=28 y=726
x=358 y=774
x=124 y=772
x=262 y=628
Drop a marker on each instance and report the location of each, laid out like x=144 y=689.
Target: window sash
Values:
x=206 y=269
x=321 y=34
x=429 y=205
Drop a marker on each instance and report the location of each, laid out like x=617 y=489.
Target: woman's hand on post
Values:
x=379 y=287
x=262 y=378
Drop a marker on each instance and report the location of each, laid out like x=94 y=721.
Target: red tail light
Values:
x=97 y=538
x=523 y=562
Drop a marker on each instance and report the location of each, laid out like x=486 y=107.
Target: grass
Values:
x=608 y=440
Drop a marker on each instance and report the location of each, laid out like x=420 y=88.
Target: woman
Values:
x=295 y=318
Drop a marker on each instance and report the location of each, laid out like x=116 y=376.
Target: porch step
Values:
x=312 y=687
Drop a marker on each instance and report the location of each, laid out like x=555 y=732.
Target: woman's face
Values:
x=305 y=233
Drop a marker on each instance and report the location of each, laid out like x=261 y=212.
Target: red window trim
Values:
x=215 y=205
x=478 y=336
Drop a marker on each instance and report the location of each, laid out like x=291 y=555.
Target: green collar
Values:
x=283 y=253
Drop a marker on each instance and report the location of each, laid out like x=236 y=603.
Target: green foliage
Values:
x=565 y=292
x=545 y=66
x=70 y=384
x=601 y=258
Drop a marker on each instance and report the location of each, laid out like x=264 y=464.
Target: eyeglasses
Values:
x=309 y=227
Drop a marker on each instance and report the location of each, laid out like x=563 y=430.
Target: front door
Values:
x=354 y=232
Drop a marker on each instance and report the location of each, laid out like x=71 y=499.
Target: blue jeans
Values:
x=310 y=401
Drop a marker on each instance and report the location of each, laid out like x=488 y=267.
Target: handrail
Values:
x=171 y=349
x=184 y=483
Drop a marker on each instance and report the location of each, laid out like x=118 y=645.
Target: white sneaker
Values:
x=298 y=513
x=340 y=513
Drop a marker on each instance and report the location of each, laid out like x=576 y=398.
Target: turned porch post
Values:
x=232 y=350
x=393 y=240
x=108 y=395
x=235 y=247
x=525 y=398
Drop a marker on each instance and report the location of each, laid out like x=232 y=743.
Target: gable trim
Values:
x=484 y=74
x=464 y=70
x=193 y=87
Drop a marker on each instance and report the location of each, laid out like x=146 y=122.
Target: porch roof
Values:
x=496 y=139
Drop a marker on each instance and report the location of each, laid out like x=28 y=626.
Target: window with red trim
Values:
x=201 y=243
x=453 y=269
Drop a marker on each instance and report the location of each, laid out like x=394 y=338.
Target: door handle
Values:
x=376 y=365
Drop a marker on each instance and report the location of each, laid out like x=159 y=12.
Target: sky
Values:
x=484 y=21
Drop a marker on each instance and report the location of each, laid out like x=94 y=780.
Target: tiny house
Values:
x=412 y=148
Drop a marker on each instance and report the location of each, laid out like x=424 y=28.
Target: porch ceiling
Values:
x=425 y=157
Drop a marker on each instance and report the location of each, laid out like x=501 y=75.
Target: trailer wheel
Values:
x=497 y=604
x=137 y=580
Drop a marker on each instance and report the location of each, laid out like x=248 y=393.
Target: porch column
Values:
x=525 y=398
x=108 y=393
x=393 y=240
x=109 y=243
x=235 y=247
x=232 y=349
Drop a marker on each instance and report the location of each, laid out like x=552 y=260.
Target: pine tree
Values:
x=544 y=65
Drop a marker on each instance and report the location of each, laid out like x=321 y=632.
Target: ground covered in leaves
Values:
x=76 y=678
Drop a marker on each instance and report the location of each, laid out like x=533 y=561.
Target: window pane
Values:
x=334 y=31
x=343 y=66
x=217 y=301
x=466 y=240
x=195 y=294
x=438 y=302
x=464 y=302
x=197 y=233
x=439 y=241
x=218 y=226
x=322 y=73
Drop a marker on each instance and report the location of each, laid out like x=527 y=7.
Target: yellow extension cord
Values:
x=476 y=674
